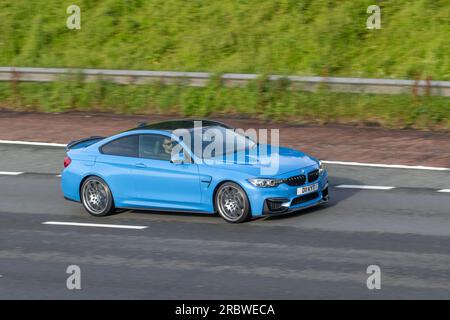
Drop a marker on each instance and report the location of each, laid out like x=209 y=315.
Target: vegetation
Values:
x=298 y=37
x=263 y=99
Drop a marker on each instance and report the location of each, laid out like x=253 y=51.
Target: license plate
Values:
x=307 y=189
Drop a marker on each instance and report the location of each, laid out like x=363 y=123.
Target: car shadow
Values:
x=335 y=198
x=172 y=213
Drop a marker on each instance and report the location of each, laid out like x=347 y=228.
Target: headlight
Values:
x=321 y=167
x=265 y=183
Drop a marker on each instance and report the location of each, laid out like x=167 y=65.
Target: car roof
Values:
x=172 y=125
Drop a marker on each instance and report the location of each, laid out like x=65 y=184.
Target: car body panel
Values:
x=161 y=184
x=264 y=156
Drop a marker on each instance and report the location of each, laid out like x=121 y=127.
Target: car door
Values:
x=115 y=165
x=161 y=183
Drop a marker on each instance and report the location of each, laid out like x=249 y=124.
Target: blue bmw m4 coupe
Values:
x=191 y=166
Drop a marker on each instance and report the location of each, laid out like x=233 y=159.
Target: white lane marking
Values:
x=444 y=190
x=353 y=186
x=117 y=226
x=392 y=166
x=58 y=175
x=9 y=173
x=344 y=163
x=31 y=143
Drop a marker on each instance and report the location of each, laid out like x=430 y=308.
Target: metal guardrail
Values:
x=199 y=79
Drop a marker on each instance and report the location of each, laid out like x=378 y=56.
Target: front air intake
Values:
x=305 y=198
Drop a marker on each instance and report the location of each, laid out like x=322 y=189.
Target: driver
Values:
x=168 y=146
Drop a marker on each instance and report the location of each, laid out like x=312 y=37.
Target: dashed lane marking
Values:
x=95 y=225
x=10 y=173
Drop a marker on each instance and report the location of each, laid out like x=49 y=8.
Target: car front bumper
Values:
x=277 y=206
x=284 y=199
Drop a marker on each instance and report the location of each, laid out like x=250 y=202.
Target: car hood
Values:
x=266 y=160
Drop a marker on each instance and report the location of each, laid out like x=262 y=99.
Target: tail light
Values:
x=67 y=161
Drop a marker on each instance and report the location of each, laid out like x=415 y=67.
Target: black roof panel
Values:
x=178 y=124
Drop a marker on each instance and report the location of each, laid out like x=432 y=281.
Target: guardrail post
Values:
x=415 y=87
x=428 y=86
x=15 y=78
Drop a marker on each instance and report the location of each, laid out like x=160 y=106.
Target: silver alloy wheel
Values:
x=95 y=196
x=231 y=202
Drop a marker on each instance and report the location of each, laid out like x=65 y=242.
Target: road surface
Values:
x=318 y=253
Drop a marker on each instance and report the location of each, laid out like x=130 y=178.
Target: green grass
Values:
x=261 y=99
x=298 y=37
x=302 y=37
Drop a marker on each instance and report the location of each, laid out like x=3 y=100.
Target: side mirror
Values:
x=177 y=158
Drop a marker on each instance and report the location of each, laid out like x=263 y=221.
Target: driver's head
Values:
x=167 y=145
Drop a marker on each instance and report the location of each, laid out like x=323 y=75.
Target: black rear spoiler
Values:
x=92 y=139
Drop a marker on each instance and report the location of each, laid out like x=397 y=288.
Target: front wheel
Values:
x=96 y=197
x=232 y=203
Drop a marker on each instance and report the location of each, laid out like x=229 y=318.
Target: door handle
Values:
x=140 y=165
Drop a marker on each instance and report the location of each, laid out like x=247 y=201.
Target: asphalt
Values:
x=318 y=253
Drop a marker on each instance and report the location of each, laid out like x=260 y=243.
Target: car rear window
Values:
x=126 y=147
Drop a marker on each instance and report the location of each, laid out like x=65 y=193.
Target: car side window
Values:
x=155 y=146
x=126 y=147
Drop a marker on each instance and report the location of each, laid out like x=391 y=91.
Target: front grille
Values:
x=296 y=180
x=305 y=198
x=313 y=176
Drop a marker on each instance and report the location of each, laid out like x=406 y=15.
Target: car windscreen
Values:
x=215 y=141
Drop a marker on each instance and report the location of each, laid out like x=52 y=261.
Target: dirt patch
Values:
x=331 y=142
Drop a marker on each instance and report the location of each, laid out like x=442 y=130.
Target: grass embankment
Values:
x=320 y=37
x=261 y=99
x=307 y=37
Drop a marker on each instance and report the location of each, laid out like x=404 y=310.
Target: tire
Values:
x=96 y=197
x=231 y=202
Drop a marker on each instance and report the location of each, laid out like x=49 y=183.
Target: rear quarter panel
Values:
x=71 y=177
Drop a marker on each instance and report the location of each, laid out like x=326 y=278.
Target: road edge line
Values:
x=32 y=143
x=379 y=165
x=343 y=163
x=364 y=187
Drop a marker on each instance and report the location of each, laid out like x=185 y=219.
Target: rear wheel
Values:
x=96 y=197
x=232 y=203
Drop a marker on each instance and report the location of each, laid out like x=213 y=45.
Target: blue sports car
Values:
x=208 y=168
